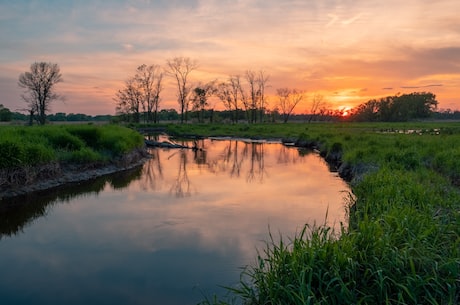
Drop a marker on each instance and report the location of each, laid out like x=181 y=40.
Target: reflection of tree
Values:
x=181 y=186
x=287 y=155
x=18 y=212
x=199 y=150
x=236 y=162
x=256 y=163
x=153 y=171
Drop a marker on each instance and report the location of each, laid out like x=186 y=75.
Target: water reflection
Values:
x=18 y=212
x=178 y=227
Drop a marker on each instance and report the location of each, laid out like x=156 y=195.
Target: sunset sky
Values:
x=349 y=51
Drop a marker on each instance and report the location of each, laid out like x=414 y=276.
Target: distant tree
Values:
x=262 y=81
x=58 y=117
x=229 y=93
x=168 y=115
x=316 y=104
x=149 y=80
x=253 y=98
x=200 y=96
x=129 y=100
x=39 y=85
x=5 y=114
x=288 y=99
x=179 y=69
x=404 y=107
x=141 y=94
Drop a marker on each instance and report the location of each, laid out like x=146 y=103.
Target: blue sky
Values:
x=348 y=51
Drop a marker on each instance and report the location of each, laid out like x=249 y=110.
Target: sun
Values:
x=345 y=110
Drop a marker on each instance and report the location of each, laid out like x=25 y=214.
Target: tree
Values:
x=141 y=94
x=229 y=93
x=129 y=100
x=39 y=85
x=254 y=100
x=149 y=79
x=316 y=104
x=200 y=97
x=288 y=99
x=5 y=114
x=180 y=68
x=397 y=108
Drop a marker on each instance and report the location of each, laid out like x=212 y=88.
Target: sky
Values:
x=348 y=51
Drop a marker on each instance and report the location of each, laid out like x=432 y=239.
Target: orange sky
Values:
x=347 y=51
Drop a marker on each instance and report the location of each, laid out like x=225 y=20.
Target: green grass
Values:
x=30 y=146
x=402 y=245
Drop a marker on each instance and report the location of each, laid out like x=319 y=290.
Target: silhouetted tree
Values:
x=180 y=68
x=229 y=93
x=5 y=114
x=129 y=100
x=200 y=97
x=397 y=108
x=149 y=79
x=316 y=104
x=39 y=85
x=288 y=99
x=141 y=93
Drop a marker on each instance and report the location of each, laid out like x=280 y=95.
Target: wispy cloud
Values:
x=315 y=45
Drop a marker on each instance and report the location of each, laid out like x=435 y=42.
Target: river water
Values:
x=170 y=232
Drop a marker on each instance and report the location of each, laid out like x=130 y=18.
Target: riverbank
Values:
x=49 y=176
x=44 y=157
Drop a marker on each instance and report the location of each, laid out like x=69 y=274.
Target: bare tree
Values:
x=229 y=93
x=129 y=100
x=149 y=80
x=254 y=99
x=39 y=85
x=253 y=95
x=141 y=93
x=316 y=106
x=180 y=68
x=288 y=99
x=262 y=81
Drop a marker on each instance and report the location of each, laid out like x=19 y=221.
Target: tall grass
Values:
x=31 y=146
x=402 y=245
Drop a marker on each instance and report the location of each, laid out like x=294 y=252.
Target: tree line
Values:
x=238 y=94
x=416 y=105
x=243 y=97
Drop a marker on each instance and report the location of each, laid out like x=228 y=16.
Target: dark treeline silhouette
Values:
x=398 y=108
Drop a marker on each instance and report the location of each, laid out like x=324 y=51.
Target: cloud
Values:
x=312 y=45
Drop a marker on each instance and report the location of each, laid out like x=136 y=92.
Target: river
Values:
x=169 y=232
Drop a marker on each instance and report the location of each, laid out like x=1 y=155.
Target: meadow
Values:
x=402 y=243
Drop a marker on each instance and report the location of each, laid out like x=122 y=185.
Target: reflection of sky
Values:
x=145 y=243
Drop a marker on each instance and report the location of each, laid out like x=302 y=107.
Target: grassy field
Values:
x=402 y=245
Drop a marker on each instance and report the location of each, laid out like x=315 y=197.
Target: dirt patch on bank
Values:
x=24 y=180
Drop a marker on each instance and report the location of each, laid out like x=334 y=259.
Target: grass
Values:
x=402 y=245
x=31 y=146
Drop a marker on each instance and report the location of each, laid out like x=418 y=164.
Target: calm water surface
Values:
x=166 y=233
